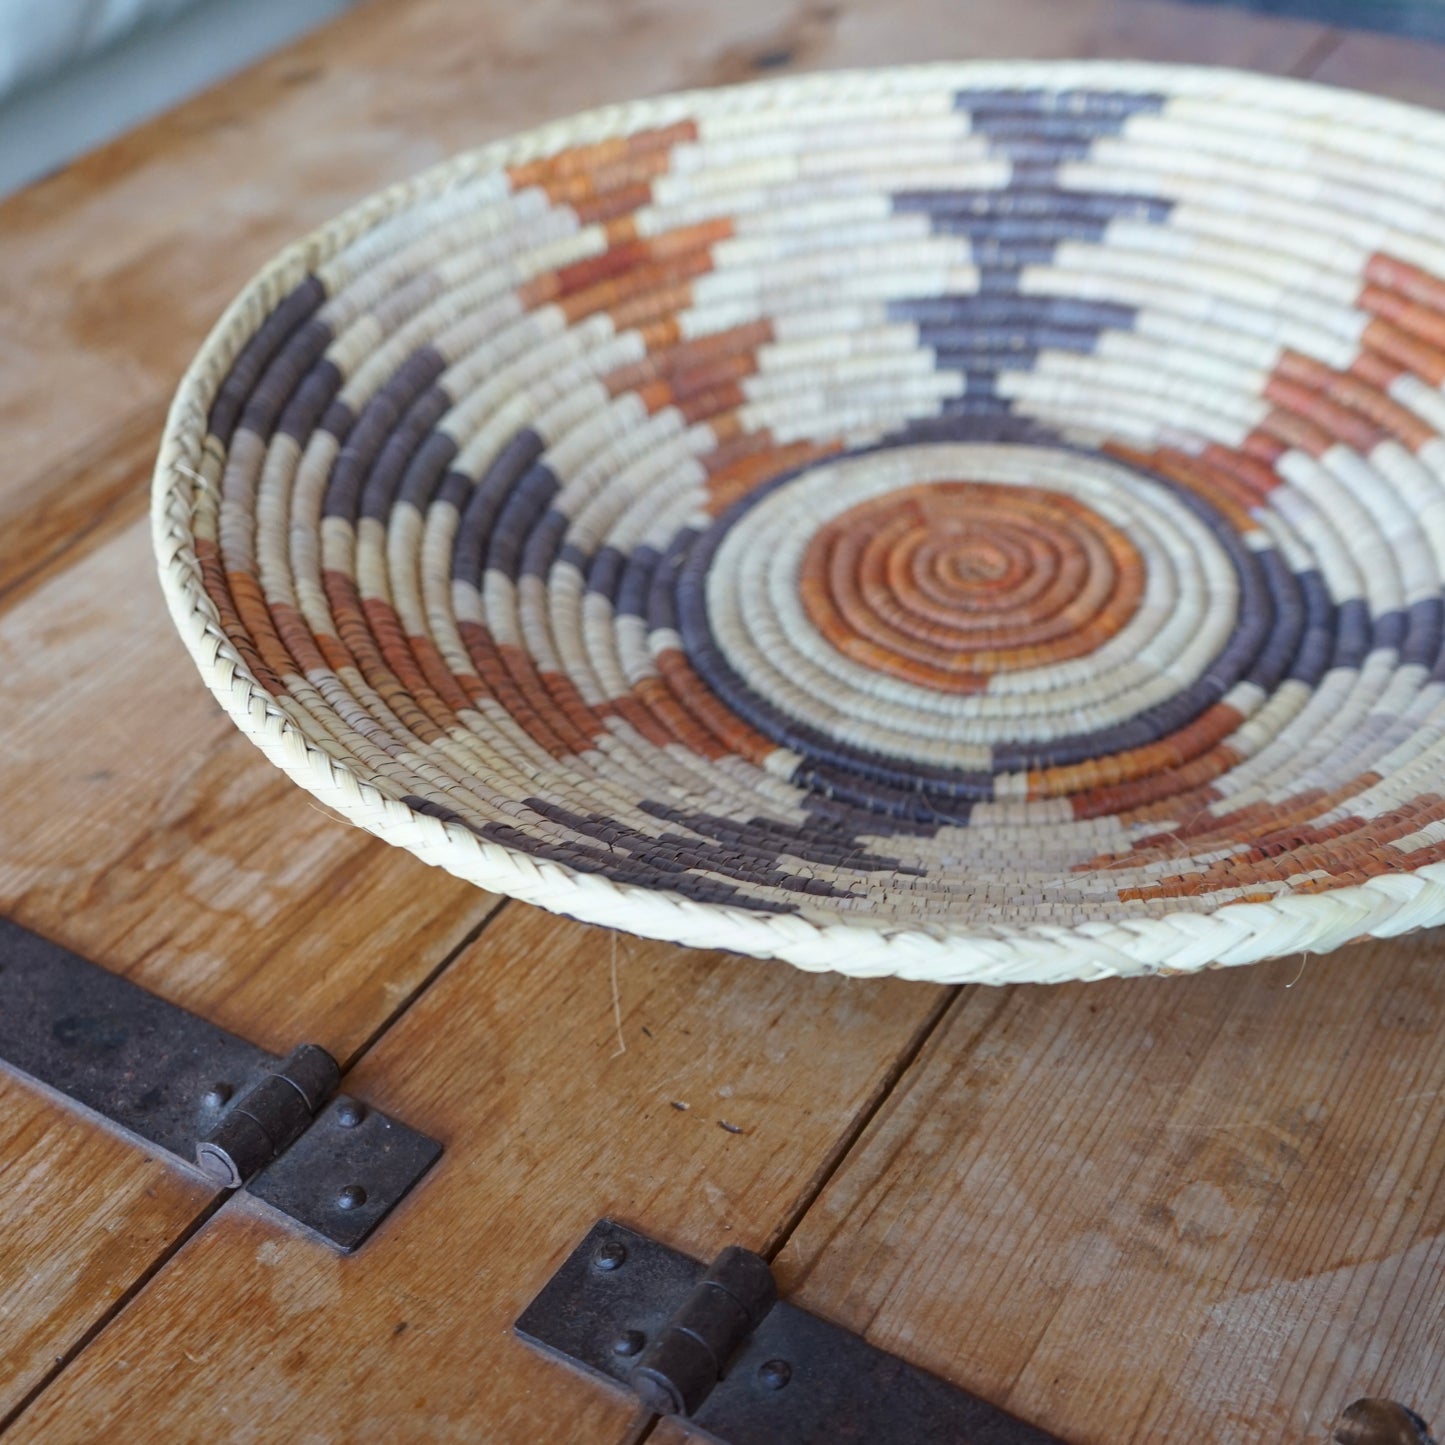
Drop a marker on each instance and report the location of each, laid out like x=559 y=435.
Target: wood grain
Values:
x=85 y=499
x=1407 y=70
x=114 y=269
x=144 y=831
x=551 y=1116
x=83 y=1214
x=1114 y=1225
x=1209 y=1208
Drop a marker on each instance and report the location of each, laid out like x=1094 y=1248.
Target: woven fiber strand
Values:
x=972 y=523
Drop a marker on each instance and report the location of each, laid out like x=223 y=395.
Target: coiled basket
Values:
x=976 y=522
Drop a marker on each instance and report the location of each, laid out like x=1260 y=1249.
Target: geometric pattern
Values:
x=971 y=513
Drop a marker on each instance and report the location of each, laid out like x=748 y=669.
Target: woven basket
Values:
x=971 y=523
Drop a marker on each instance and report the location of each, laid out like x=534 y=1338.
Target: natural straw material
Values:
x=979 y=522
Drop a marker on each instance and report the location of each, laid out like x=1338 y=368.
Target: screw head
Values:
x=629 y=1342
x=349 y=1113
x=216 y=1095
x=352 y=1197
x=610 y=1256
x=774 y=1374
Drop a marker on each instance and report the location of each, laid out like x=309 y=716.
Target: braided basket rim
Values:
x=1178 y=942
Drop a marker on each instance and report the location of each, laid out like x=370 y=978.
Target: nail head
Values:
x=610 y=1256
x=774 y=1374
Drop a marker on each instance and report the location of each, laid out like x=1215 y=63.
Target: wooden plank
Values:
x=88 y=496
x=880 y=34
x=1407 y=70
x=705 y=1115
x=1198 y=1209
x=114 y=269
x=62 y=1181
x=1209 y=1208
x=143 y=830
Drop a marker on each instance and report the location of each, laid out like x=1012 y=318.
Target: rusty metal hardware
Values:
x=221 y=1105
x=1381 y=1422
x=691 y=1352
x=271 y=1117
x=711 y=1345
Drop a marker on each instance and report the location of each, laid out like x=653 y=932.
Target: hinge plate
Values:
x=836 y=1387
x=168 y=1077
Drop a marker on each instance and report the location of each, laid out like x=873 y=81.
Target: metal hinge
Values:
x=713 y=1345
x=236 y=1113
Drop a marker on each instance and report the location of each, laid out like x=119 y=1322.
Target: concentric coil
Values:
x=965 y=522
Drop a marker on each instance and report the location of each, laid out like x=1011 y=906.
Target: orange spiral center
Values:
x=946 y=583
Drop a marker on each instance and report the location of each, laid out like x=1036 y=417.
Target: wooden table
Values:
x=1208 y=1209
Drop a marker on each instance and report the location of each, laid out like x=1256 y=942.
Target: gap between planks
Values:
x=183 y=1237
x=645 y=1423
x=117 y=508
x=1316 y=53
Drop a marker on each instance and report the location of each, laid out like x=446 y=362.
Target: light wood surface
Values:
x=551 y=1114
x=143 y=831
x=114 y=269
x=1192 y=1209
x=1388 y=66
x=1196 y=1209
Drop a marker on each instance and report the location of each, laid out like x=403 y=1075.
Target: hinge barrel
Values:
x=711 y=1345
x=678 y=1369
x=277 y=1126
x=270 y=1117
